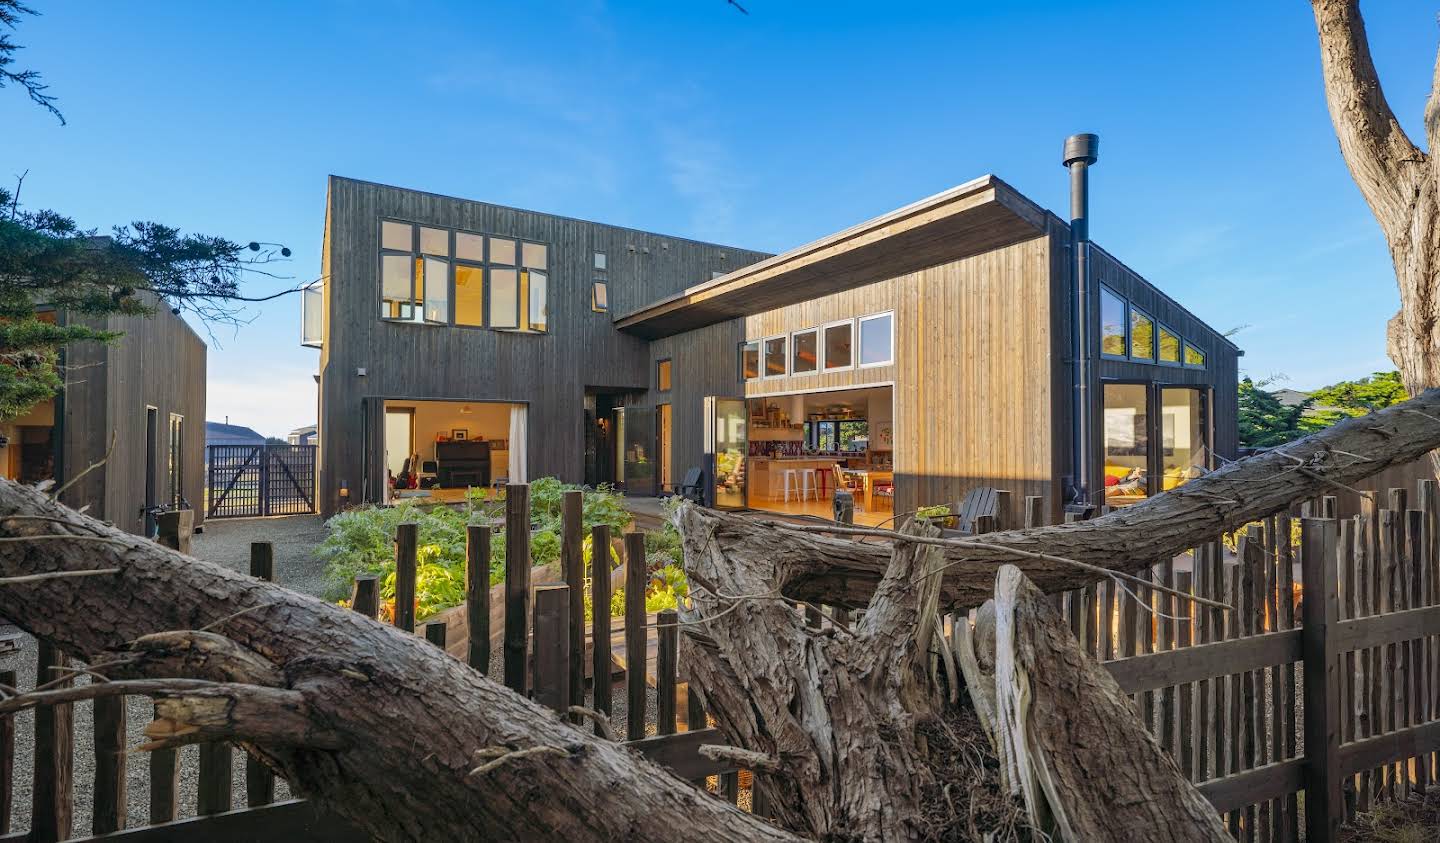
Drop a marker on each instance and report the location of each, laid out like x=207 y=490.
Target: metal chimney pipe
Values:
x=1080 y=152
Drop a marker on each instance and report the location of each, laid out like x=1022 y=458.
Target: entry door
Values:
x=152 y=457
x=637 y=431
x=727 y=445
x=667 y=482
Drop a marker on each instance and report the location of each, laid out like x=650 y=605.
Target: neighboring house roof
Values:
x=1290 y=397
x=221 y=433
x=303 y=431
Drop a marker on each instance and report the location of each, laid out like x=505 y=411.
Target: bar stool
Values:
x=791 y=474
x=808 y=484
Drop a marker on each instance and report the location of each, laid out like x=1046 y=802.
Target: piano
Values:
x=465 y=463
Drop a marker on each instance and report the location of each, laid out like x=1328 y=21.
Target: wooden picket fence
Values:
x=1223 y=691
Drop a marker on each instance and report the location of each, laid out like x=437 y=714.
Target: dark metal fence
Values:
x=252 y=480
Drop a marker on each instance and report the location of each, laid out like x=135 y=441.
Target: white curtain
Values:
x=518 y=471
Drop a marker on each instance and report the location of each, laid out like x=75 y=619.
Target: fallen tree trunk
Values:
x=839 y=572
x=393 y=729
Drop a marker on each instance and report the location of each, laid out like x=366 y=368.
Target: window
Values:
x=177 y=460
x=1127 y=443
x=437 y=292
x=837 y=345
x=1182 y=435
x=600 y=262
x=834 y=436
x=312 y=315
x=469 y=293
x=397 y=236
x=533 y=289
x=502 y=251
x=469 y=247
x=775 y=357
x=662 y=375
x=1169 y=346
x=435 y=241
x=600 y=296
x=1142 y=336
x=1194 y=356
x=1112 y=324
x=533 y=255
x=877 y=339
x=804 y=352
x=750 y=360
x=504 y=298
x=398 y=299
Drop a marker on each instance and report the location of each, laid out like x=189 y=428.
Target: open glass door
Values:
x=638 y=436
x=727 y=445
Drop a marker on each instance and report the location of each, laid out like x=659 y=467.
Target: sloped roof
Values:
x=220 y=430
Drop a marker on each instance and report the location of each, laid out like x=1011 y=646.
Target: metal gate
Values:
x=251 y=480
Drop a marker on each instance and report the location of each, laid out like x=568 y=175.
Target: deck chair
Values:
x=982 y=500
x=692 y=487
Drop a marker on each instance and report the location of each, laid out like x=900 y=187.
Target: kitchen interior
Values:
x=802 y=447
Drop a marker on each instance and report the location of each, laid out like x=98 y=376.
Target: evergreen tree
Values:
x=1264 y=422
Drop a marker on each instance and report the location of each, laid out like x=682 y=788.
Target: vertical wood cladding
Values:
x=158 y=362
x=550 y=372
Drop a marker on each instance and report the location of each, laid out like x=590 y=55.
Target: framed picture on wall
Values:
x=460 y=434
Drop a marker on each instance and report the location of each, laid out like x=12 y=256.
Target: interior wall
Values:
x=485 y=420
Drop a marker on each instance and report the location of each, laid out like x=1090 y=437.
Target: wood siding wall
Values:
x=158 y=362
x=550 y=372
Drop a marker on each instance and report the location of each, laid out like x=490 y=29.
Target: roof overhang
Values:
x=975 y=217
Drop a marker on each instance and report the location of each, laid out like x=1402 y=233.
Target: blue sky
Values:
x=1219 y=178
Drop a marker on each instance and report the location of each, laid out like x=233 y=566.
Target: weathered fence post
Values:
x=572 y=560
x=164 y=785
x=406 y=542
x=667 y=649
x=259 y=780
x=600 y=653
x=1320 y=612
x=53 y=794
x=110 y=793
x=365 y=596
x=517 y=585
x=636 y=578
x=7 y=759
x=435 y=633
x=552 y=646
x=477 y=595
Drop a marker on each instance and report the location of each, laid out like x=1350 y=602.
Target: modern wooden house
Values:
x=137 y=405
x=912 y=357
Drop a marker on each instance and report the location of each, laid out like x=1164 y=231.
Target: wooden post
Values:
x=259 y=780
x=600 y=652
x=405 y=549
x=1416 y=692
x=572 y=560
x=694 y=711
x=667 y=649
x=7 y=759
x=636 y=578
x=1320 y=612
x=175 y=529
x=477 y=595
x=164 y=785
x=53 y=794
x=1004 y=506
x=1290 y=821
x=365 y=596
x=435 y=633
x=552 y=646
x=110 y=793
x=517 y=585
x=216 y=779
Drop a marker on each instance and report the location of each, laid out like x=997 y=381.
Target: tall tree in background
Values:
x=29 y=80
x=1397 y=179
x=1263 y=420
x=1345 y=399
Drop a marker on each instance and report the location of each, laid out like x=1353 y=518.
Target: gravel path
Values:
x=227 y=541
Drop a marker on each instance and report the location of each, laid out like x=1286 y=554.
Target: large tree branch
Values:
x=846 y=573
x=1383 y=161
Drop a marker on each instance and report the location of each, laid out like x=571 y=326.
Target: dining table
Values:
x=870 y=478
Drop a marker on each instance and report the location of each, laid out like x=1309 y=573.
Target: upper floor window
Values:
x=837 y=338
x=312 y=315
x=1194 y=356
x=600 y=296
x=600 y=262
x=1142 y=336
x=750 y=360
x=1169 y=346
x=775 y=363
x=804 y=352
x=1112 y=324
x=444 y=277
x=877 y=339
x=662 y=375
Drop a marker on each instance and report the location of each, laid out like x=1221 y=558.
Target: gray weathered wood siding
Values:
x=158 y=362
x=549 y=372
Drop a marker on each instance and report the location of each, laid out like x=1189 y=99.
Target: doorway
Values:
x=152 y=456
x=662 y=453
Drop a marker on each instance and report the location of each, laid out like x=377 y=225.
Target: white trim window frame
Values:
x=814 y=332
x=825 y=366
x=856 y=349
x=765 y=356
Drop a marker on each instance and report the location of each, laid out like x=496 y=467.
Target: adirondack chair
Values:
x=690 y=488
x=982 y=500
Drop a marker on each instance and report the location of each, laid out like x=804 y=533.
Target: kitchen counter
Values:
x=767 y=475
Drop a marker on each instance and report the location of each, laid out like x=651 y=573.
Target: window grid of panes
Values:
x=1129 y=333
x=440 y=276
x=857 y=343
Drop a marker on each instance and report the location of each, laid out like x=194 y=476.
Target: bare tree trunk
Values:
x=1397 y=179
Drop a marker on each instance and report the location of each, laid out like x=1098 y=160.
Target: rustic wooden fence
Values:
x=1224 y=692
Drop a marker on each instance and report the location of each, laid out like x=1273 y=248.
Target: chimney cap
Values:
x=1082 y=147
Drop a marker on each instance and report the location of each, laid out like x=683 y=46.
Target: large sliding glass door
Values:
x=1184 y=449
x=727 y=444
x=1126 y=436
